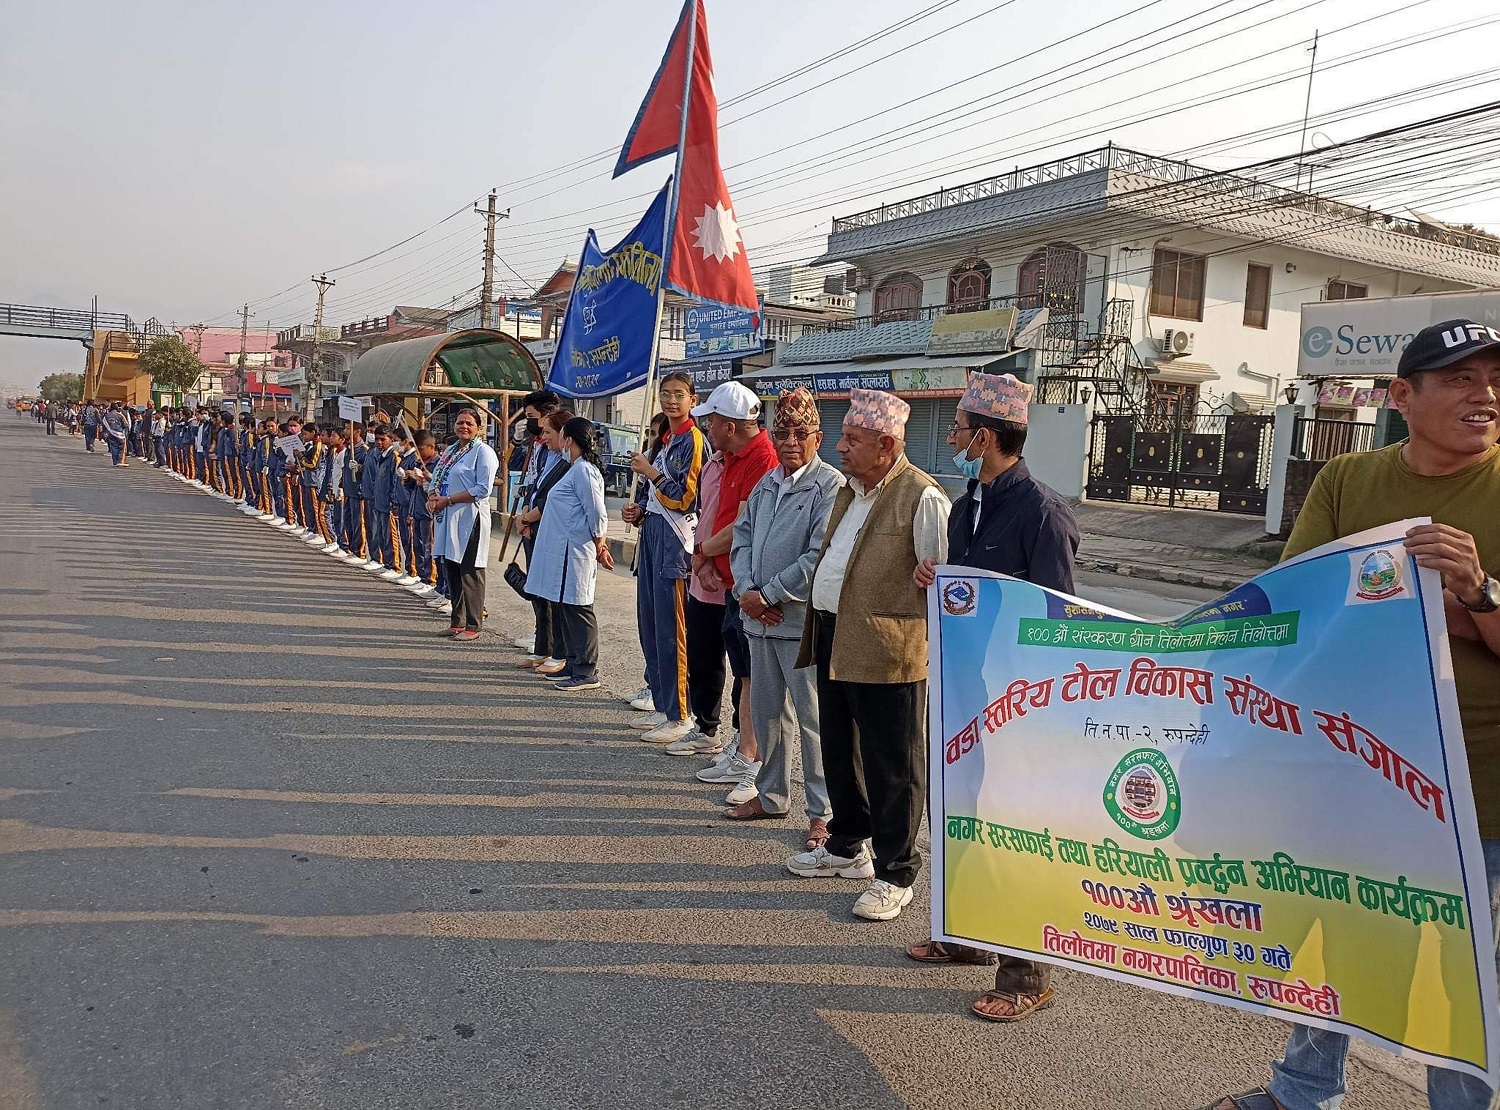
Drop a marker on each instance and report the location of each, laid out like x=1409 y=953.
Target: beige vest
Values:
x=882 y=618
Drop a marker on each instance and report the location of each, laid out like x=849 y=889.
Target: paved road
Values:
x=267 y=841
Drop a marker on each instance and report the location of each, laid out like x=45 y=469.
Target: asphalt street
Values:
x=267 y=840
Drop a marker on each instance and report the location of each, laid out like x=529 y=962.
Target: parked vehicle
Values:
x=618 y=443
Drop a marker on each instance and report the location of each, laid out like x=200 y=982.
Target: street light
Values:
x=1291 y=391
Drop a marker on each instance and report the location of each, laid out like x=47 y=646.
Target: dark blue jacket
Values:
x=1026 y=530
x=378 y=478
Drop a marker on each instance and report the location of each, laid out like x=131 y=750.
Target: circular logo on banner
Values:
x=1142 y=795
x=1379 y=576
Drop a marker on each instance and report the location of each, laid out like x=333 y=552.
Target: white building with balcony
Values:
x=1139 y=285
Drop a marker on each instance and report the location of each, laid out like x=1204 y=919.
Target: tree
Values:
x=171 y=363
x=62 y=387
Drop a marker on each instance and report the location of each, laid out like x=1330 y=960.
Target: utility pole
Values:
x=324 y=284
x=240 y=393
x=1306 y=113
x=487 y=289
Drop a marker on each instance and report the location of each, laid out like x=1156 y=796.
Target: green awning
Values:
x=476 y=360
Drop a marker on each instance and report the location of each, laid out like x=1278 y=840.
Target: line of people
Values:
x=758 y=561
x=374 y=496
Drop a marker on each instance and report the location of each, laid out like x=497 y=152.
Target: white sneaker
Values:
x=443 y=605
x=734 y=769
x=408 y=580
x=353 y=560
x=527 y=642
x=882 y=901
x=314 y=540
x=646 y=704
x=423 y=590
x=389 y=575
x=275 y=521
x=644 y=693
x=668 y=732
x=730 y=750
x=741 y=793
x=695 y=743
x=648 y=721
x=438 y=603
x=371 y=564
x=820 y=863
x=335 y=550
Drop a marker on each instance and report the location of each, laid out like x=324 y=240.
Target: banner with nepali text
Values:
x=1264 y=803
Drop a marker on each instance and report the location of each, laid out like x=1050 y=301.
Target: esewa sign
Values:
x=1264 y=804
x=1365 y=338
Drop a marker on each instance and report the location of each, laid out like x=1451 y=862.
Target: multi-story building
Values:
x=335 y=349
x=220 y=350
x=1136 y=285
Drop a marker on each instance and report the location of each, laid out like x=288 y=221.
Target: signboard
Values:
x=964 y=333
x=716 y=330
x=295 y=376
x=287 y=445
x=1347 y=395
x=940 y=381
x=1240 y=806
x=350 y=408
x=1365 y=338
x=705 y=375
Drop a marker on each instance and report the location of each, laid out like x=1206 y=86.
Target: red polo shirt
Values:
x=741 y=472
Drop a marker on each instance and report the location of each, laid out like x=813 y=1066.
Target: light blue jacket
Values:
x=776 y=544
x=563 y=558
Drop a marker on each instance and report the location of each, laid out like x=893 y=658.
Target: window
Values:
x=1257 y=296
x=969 y=286
x=1052 y=277
x=1173 y=403
x=1177 y=285
x=1346 y=291
x=898 y=297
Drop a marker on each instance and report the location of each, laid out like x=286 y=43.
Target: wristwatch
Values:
x=1489 y=597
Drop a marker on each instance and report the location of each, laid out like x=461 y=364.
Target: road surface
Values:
x=267 y=840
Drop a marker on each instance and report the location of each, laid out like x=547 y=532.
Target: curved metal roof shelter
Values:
x=479 y=362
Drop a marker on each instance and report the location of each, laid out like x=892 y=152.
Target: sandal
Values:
x=935 y=952
x=1258 y=1099
x=1022 y=1006
x=817 y=834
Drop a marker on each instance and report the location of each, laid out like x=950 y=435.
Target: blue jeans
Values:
x=1311 y=1075
x=116 y=450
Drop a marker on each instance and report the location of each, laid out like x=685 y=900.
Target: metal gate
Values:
x=1196 y=462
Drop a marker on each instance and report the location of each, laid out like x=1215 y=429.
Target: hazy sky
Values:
x=178 y=159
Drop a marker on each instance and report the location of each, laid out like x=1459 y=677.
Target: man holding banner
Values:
x=1010 y=523
x=1448 y=389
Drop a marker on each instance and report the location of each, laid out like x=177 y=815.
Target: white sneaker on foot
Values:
x=647 y=721
x=645 y=704
x=408 y=580
x=631 y=699
x=695 y=743
x=742 y=792
x=669 y=732
x=820 y=863
x=734 y=769
x=882 y=901
x=389 y=575
x=527 y=642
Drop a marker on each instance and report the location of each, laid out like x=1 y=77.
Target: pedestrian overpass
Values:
x=112 y=342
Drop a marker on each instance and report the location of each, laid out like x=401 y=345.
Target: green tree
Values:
x=62 y=387
x=171 y=363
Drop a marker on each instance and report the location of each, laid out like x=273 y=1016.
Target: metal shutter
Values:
x=919 y=432
x=833 y=413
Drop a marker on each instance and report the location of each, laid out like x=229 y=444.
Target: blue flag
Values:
x=605 y=344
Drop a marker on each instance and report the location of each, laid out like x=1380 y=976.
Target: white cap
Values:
x=732 y=400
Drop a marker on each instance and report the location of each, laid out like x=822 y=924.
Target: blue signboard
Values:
x=606 y=339
x=825 y=384
x=722 y=331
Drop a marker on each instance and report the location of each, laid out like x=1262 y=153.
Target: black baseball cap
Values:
x=1440 y=345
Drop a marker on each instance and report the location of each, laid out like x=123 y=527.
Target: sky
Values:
x=179 y=159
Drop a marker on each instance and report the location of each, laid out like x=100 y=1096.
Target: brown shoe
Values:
x=752 y=811
x=555 y=668
x=464 y=635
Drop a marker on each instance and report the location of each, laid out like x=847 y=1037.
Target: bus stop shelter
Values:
x=481 y=367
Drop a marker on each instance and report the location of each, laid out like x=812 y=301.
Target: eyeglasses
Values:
x=674 y=395
x=785 y=435
x=956 y=427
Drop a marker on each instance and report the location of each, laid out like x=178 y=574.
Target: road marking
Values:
x=18 y=1086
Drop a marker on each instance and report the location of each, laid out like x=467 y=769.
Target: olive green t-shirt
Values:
x=1365 y=490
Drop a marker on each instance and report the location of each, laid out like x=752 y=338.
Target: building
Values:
x=219 y=349
x=1139 y=286
x=335 y=349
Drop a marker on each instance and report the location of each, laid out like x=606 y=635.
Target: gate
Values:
x=1219 y=463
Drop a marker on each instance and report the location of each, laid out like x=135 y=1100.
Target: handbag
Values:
x=515 y=578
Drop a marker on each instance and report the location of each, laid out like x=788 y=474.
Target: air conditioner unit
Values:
x=1175 y=343
x=857 y=280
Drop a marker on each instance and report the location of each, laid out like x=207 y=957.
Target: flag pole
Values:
x=674 y=192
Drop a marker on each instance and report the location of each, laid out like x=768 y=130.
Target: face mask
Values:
x=966 y=466
x=369 y=437
x=533 y=428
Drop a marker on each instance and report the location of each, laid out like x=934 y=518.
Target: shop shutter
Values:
x=920 y=434
x=833 y=413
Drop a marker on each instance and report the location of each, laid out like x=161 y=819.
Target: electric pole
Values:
x=240 y=393
x=1312 y=67
x=323 y=283
x=487 y=290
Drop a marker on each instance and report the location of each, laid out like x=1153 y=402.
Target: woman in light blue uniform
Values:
x=570 y=541
x=458 y=496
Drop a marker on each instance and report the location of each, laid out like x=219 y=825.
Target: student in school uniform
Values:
x=309 y=467
x=116 y=432
x=352 y=518
x=402 y=493
x=375 y=486
x=418 y=474
x=331 y=488
x=275 y=472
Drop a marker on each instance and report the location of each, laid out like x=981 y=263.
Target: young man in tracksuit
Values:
x=275 y=472
x=309 y=468
x=410 y=491
x=226 y=449
x=375 y=484
x=331 y=488
x=353 y=515
x=419 y=473
x=244 y=460
x=90 y=425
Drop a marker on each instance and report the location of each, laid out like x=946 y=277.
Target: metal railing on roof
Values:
x=1170 y=171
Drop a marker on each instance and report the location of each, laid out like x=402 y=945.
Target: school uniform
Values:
x=116 y=431
x=401 y=498
x=375 y=488
x=330 y=492
x=424 y=566
x=352 y=516
x=276 y=479
x=90 y=426
x=310 y=462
